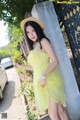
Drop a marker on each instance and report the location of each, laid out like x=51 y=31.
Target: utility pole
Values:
x=38 y=1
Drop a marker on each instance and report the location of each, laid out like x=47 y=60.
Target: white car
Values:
x=3 y=81
x=6 y=62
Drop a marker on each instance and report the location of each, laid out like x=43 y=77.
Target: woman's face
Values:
x=31 y=33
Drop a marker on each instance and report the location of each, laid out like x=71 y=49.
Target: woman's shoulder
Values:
x=45 y=41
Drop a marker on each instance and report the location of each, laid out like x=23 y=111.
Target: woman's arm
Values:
x=28 y=67
x=54 y=61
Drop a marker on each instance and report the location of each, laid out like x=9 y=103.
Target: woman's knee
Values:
x=52 y=111
x=60 y=109
x=53 y=107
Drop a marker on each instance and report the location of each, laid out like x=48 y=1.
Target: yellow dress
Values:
x=53 y=89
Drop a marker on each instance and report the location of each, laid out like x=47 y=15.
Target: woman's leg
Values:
x=53 y=110
x=62 y=112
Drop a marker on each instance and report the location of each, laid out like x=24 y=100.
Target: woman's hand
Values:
x=43 y=80
x=28 y=67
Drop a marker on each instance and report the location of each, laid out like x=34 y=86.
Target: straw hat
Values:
x=32 y=19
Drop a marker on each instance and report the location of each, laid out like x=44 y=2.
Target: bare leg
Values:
x=53 y=110
x=62 y=112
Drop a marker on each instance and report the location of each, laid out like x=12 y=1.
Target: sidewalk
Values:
x=12 y=107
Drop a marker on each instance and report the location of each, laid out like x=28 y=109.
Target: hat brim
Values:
x=32 y=19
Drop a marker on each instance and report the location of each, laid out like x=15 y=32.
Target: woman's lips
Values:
x=33 y=38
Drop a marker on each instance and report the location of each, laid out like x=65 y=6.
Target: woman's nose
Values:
x=31 y=34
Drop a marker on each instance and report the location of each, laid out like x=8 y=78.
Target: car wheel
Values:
x=7 y=82
x=1 y=94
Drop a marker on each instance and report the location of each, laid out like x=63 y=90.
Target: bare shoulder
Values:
x=45 y=41
x=46 y=45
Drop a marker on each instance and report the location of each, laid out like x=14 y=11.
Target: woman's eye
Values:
x=30 y=32
x=33 y=30
x=27 y=32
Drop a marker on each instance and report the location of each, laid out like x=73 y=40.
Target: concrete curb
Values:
x=45 y=117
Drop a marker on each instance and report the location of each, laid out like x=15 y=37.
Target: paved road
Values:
x=11 y=104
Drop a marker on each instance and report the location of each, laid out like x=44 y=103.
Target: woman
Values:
x=47 y=82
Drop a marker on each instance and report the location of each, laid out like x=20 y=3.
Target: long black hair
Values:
x=39 y=32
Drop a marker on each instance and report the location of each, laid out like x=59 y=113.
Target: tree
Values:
x=15 y=36
x=13 y=11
